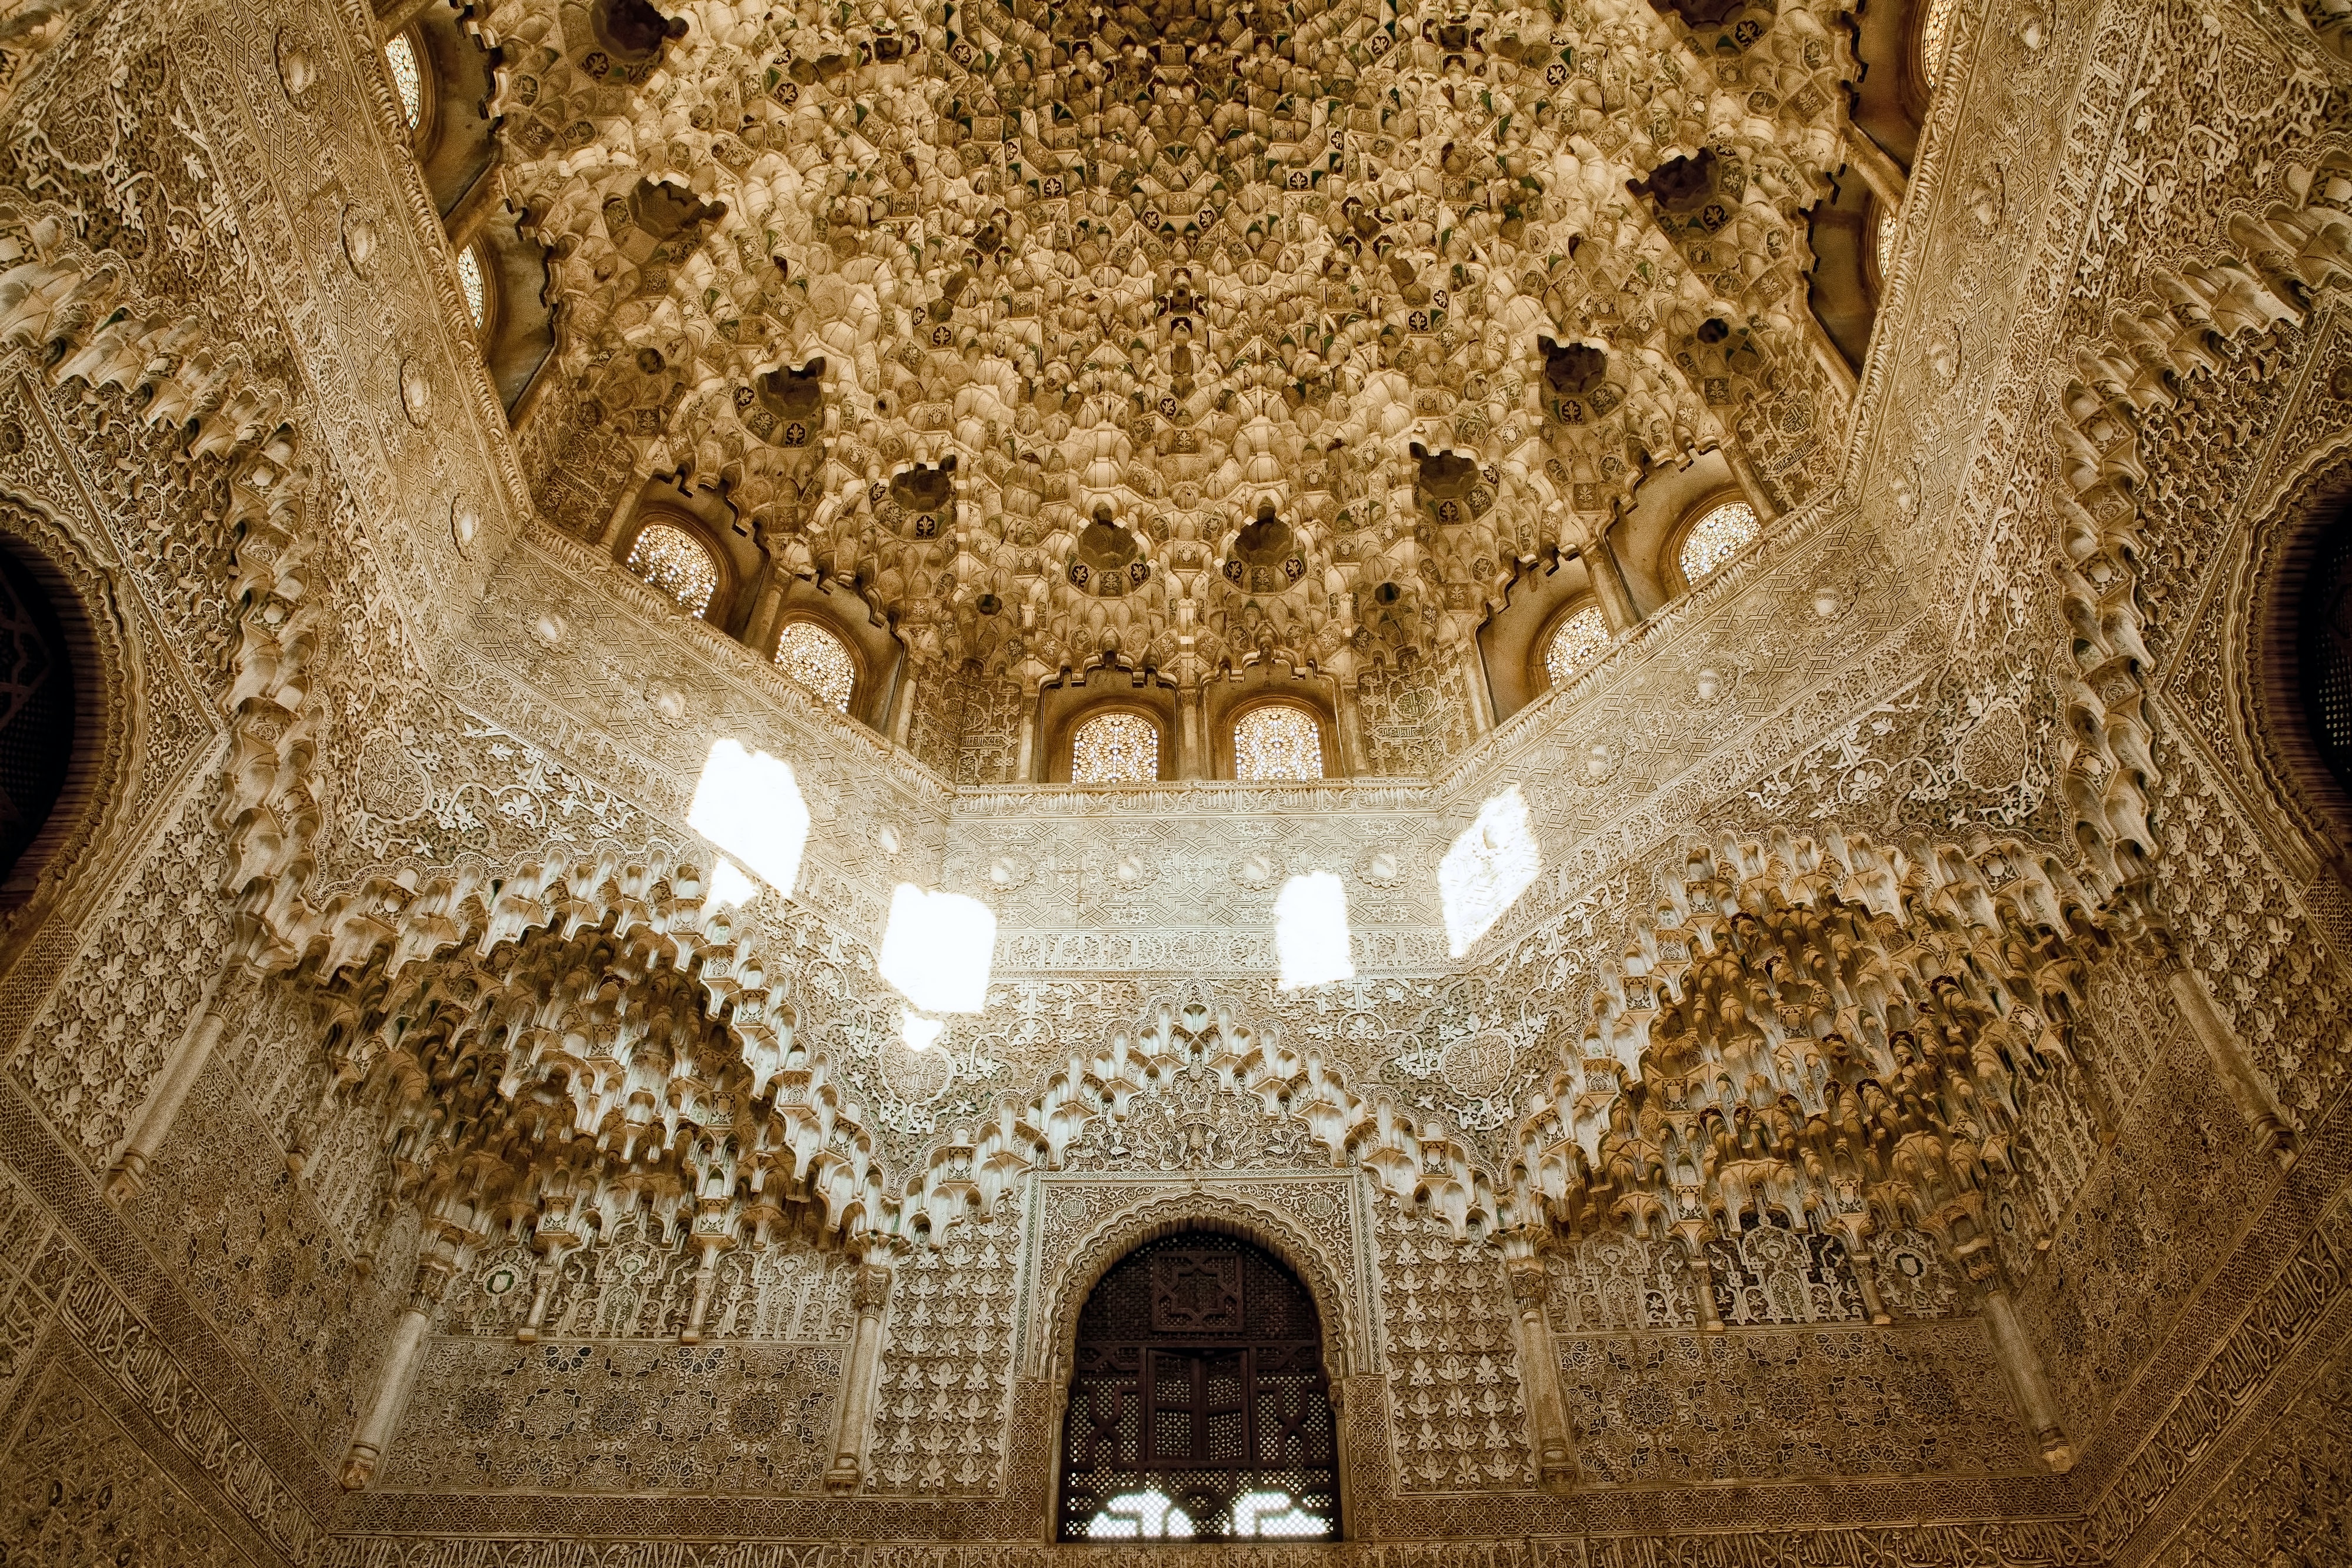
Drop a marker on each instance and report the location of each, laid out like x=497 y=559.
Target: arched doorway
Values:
x=36 y=720
x=1198 y=1407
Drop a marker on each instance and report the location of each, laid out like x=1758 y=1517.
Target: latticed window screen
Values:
x=2325 y=650
x=1198 y=1405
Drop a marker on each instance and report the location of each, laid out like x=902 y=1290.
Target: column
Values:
x=1025 y=765
x=760 y=629
x=1880 y=173
x=1691 y=1234
x=2246 y=1088
x=397 y=17
x=869 y=1291
x=553 y=1251
x=445 y=1257
x=2023 y=1367
x=624 y=513
x=706 y=1274
x=1192 y=733
x=1609 y=585
x=180 y=1074
x=472 y=213
x=1352 y=732
x=1865 y=1269
x=1539 y=1371
x=1751 y=484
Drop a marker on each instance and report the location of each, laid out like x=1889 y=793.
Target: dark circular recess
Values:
x=36 y=710
x=2324 y=646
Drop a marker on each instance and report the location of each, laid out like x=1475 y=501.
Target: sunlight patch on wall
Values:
x=748 y=804
x=1486 y=869
x=938 y=949
x=1311 y=932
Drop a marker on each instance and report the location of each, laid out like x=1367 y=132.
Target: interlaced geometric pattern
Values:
x=407 y=79
x=1884 y=238
x=1198 y=1405
x=1716 y=539
x=469 y=280
x=1116 y=748
x=1576 y=641
x=818 y=660
x=674 y=561
x=1279 y=741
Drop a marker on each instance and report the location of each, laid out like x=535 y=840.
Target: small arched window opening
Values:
x=677 y=564
x=2324 y=649
x=1717 y=533
x=474 y=283
x=1121 y=746
x=407 y=79
x=37 y=718
x=1935 y=39
x=819 y=662
x=1278 y=742
x=1199 y=1407
x=1575 y=640
x=1884 y=223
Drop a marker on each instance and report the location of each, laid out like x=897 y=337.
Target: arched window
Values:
x=1198 y=1405
x=678 y=563
x=1935 y=37
x=819 y=661
x=36 y=712
x=1721 y=532
x=2324 y=649
x=475 y=286
x=407 y=77
x=1278 y=741
x=1118 y=748
x=1577 y=639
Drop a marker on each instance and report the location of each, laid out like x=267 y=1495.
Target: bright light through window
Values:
x=819 y=661
x=1310 y=930
x=1151 y=1515
x=748 y=804
x=938 y=949
x=674 y=562
x=1489 y=867
x=1935 y=37
x=1114 y=749
x=469 y=279
x=1274 y=1513
x=1580 y=637
x=407 y=79
x=1278 y=741
x=1716 y=538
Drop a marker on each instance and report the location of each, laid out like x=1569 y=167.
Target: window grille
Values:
x=675 y=562
x=1198 y=1407
x=1580 y=637
x=1278 y=741
x=819 y=661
